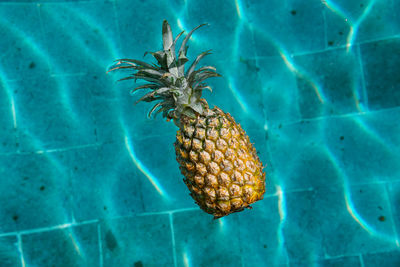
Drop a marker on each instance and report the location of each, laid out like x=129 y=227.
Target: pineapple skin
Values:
x=220 y=166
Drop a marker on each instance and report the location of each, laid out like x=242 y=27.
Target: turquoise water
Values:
x=87 y=180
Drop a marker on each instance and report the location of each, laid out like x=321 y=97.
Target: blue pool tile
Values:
x=301 y=154
x=358 y=149
x=137 y=241
x=396 y=9
x=329 y=83
x=161 y=190
x=300 y=228
x=394 y=196
x=9 y=254
x=262 y=225
x=107 y=120
x=228 y=35
x=221 y=17
x=116 y=114
x=137 y=38
x=349 y=261
x=88 y=43
x=239 y=92
x=37 y=185
x=390 y=259
x=348 y=223
x=103 y=182
x=135 y=120
x=355 y=21
x=280 y=94
x=338 y=29
x=53 y=113
x=354 y=219
x=8 y=141
x=369 y=145
x=197 y=235
x=101 y=84
x=24 y=55
x=289 y=27
x=72 y=246
x=381 y=66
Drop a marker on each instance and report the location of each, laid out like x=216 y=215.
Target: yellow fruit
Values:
x=220 y=165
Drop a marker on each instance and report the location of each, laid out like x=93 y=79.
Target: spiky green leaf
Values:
x=137 y=62
x=200 y=77
x=147 y=78
x=151 y=73
x=126 y=78
x=119 y=67
x=176 y=40
x=166 y=35
x=162 y=90
x=161 y=58
x=145 y=86
x=183 y=49
x=203 y=88
x=196 y=61
x=153 y=109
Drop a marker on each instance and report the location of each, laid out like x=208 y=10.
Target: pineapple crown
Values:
x=178 y=92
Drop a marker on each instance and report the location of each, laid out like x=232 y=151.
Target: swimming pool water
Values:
x=87 y=180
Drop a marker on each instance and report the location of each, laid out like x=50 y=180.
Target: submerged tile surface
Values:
x=381 y=65
x=197 y=235
x=103 y=182
x=391 y=258
x=356 y=150
x=313 y=83
x=342 y=262
x=288 y=27
x=329 y=83
x=53 y=113
x=74 y=246
x=23 y=53
x=33 y=192
x=355 y=219
x=137 y=241
x=9 y=254
x=262 y=226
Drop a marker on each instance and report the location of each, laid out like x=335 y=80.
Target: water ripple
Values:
x=42 y=53
x=354 y=24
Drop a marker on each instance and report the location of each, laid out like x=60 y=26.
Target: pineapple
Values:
x=219 y=164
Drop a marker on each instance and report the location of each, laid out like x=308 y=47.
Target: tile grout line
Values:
x=361 y=260
x=167 y=212
x=54 y=2
x=20 y=250
x=51 y=150
x=74 y=224
x=347 y=115
x=266 y=124
x=171 y=223
x=48 y=229
x=317 y=51
x=363 y=85
x=393 y=221
x=100 y=241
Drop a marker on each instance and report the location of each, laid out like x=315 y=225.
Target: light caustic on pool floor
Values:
x=247 y=108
